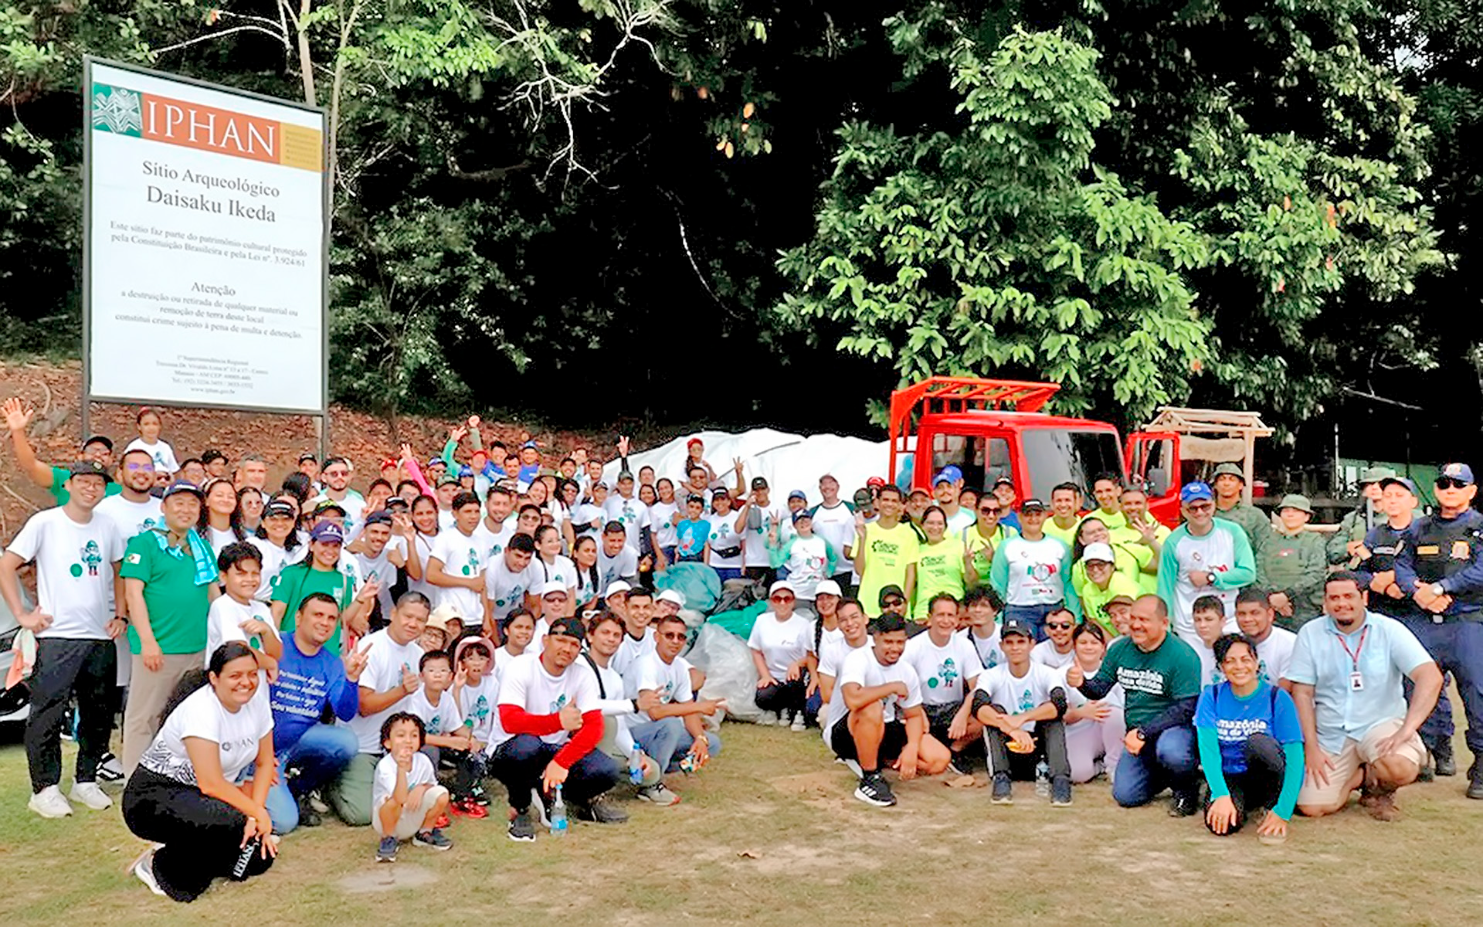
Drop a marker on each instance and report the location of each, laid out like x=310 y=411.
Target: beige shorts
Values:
x=1349 y=759
x=411 y=820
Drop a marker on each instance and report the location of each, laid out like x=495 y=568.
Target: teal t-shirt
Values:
x=1154 y=679
x=177 y=605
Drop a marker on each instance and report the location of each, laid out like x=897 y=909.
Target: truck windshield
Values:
x=982 y=458
x=1054 y=456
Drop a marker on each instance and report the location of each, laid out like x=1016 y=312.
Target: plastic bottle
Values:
x=558 y=815
x=635 y=767
x=1042 y=778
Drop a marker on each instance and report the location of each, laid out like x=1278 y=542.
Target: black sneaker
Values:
x=1060 y=792
x=110 y=769
x=873 y=790
x=1183 y=805
x=1003 y=790
x=480 y=796
x=1442 y=757
x=522 y=828
x=433 y=839
x=308 y=817
x=958 y=765
x=598 y=811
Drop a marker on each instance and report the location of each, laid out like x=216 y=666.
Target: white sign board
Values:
x=205 y=238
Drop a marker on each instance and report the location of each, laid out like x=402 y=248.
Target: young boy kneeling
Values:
x=406 y=800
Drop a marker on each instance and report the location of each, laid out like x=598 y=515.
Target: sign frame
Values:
x=321 y=410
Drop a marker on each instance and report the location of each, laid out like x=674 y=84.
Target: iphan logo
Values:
x=117 y=110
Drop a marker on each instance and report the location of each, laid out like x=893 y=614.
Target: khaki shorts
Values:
x=411 y=818
x=1349 y=759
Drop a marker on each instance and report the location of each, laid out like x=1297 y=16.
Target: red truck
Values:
x=994 y=428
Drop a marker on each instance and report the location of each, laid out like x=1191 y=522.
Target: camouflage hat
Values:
x=1375 y=475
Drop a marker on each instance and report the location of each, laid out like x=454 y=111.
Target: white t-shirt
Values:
x=659 y=523
x=944 y=671
x=670 y=680
x=385 y=782
x=837 y=526
x=863 y=669
x=235 y=733
x=832 y=654
x=754 y=544
x=74 y=571
x=527 y=685
x=224 y=623
x=989 y=653
x=724 y=537
x=623 y=566
x=782 y=643
x=963 y=518
x=1045 y=653
x=503 y=658
x=131 y=518
x=825 y=637
x=506 y=589
x=631 y=512
x=1213 y=552
x=386 y=660
x=220 y=539
x=478 y=703
x=161 y=451
x=563 y=569
x=1074 y=699
x=275 y=558
x=354 y=505
x=424 y=551
x=630 y=650
x=588 y=519
x=1019 y=694
x=383 y=569
x=461 y=555
x=442 y=718
x=1274 y=654
x=1034 y=570
x=1210 y=673
x=493 y=543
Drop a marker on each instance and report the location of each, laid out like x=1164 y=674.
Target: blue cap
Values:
x=327 y=531
x=798 y=494
x=465 y=470
x=1196 y=491
x=948 y=474
x=1401 y=481
x=180 y=486
x=530 y=444
x=436 y=462
x=1456 y=471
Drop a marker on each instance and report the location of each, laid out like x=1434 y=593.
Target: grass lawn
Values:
x=770 y=833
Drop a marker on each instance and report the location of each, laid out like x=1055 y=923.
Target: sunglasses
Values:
x=1059 y=625
x=990 y=510
x=673 y=635
x=782 y=598
x=1447 y=482
x=892 y=603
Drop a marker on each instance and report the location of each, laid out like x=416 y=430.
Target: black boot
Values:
x=1475 y=785
x=1442 y=757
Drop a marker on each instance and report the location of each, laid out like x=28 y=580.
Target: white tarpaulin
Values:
x=787 y=461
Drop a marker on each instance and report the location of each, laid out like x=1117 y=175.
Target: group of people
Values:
x=483 y=616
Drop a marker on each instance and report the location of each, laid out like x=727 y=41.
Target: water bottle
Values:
x=635 y=767
x=558 y=815
x=1042 y=778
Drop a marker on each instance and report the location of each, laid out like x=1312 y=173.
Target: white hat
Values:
x=1102 y=552
x=828 y=587
x=782 y=585
x=443 y=614
x=550 y=586
x=671 y=595
x=617 y=587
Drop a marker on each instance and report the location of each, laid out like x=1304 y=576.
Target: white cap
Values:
x=1101 y=552
x=550 y=586
x=828 y=587
x=782 y=585
x=671 y=595
x=615 y=588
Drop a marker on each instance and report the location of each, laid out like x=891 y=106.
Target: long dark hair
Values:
x=1077 y=547
x=195 y=679
x=291 y=542
x=234 y=521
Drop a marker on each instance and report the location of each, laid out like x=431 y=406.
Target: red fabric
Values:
x=584 y=740
x=516 y=720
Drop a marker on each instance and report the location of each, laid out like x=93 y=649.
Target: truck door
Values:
x=983 y=458
x=1153 y=463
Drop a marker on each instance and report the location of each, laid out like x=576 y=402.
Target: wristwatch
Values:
x=1141 y=736
x=1437 y=589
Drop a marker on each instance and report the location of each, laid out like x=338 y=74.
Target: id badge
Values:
x=1356 y=682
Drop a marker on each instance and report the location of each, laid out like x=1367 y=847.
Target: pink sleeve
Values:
x=415 y=472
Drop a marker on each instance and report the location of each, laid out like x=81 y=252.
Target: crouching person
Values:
x=406 y=800
x=1022 y=706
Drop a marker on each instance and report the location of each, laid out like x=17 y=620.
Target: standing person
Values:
x=249 y=514
x=420 y=548
x=1107 y=489
x=1251 y=745
x=456 y=564
x=336 y=478
x=253 y=472
x=1127 y=561
x=1160 y=677
x=941 y=563
x=550 y=726
x=726 y=541
x=1229 y=484
x=755 y=520
x=1344 y=544
x=379 y=554
x=1346 y=677
x=947 y=490
x=1003 y=490
x=617 y=560
x=629 y=510
x=1292 y=564
x=885 y=550
x=150 y=425
x=191 y=793
x=1255 y=618
x=1142 y=530
x=664 y=515
x=77 y=583
x=1203 y=556
x=133 y=509
x=1021 y=702
x=808 y=557
x=693 y=533
x=948 y=666
x=170 y=580
x=97 y=448
x=1033 y=571
x=1065 y=513
x=779 y=645
x=1441 y=569
x=983 y=538
x=220 y=522
x=1094 y=729
x=549 y=564
x=277 y=542
x=834 y=521
x=320 y=572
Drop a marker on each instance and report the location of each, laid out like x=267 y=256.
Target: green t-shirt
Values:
x=982 y=546
x=939 y=569
x=1151 y=680
x=297 y=582
x=1066 y=536
x=59 y=477
x=888 y=552
x=177 y=605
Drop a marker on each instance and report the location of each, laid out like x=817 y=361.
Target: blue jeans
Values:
x=1033 y=615
x=728 y=573
x=1168 y=762
x=315 y=760
x=666 y=740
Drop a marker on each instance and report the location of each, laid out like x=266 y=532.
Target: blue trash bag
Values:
x=697 y=582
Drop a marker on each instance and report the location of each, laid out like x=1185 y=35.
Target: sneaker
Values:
x=598 y=811
x=659 y=794
x=110 y=769
x=542 y=810
x=143 y=870
x=1183 y=805
x=873 y=790
x=442 y=821
x=522 y=828
x=957 y=764
x=318 y=804
x=768 y=719
x=1003 y=790
x=1060 y=793
x=479 y=795
x=433 y=839
x=49 y=803
x=89 y=794
x=1475 y=784
x=798 y=721
x=1442 y=757
x=308 y=817
x=386 y=850
x=467 y=808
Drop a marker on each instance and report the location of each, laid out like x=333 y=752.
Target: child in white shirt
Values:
x=406 y=800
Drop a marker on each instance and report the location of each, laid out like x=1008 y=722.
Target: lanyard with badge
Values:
x=1356 y=678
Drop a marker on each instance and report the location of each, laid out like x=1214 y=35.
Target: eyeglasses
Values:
x=1059 y=625
x=990 y=510
x=782 y=598
x=148 y=467
x=673 y=635
x=1448 y=482
x=1201 y=506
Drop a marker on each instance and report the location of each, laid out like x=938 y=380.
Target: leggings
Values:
x=1089 y=741
x=782 y=696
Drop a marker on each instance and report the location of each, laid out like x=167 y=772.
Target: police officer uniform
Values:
x=1354 y=525
x=1447 y=554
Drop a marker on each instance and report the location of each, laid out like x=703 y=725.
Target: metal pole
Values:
x=87 y=248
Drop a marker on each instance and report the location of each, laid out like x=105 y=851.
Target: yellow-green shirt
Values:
x=887 y=554
x=939 y=570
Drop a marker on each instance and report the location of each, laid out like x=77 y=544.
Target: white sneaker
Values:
x=49 y=803
x=143 y=870
x=798 y=721
x=91 y=795
x=768 y=719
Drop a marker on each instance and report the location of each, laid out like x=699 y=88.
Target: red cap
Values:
x=875 y=481
x=692 y=442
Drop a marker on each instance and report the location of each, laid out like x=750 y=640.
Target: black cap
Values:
x=279 y=507
x=1016 y=626
x=326 y=505
x=889 y=623
x=1032 y=504
x=381 y=517
x=180 y=486
x=570 y=626
x=1003 y=481
x=307 y=456
x=888 y=591
x=99 y=439
x=88 y=468
x=759 y=482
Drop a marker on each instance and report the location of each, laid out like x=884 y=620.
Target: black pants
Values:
x=1260 y=785
x=468 y=768
x=65 y=668
x=763 y=575
x=1050 y=743
x=520 y=761
x=782 y=696
x=202 y=836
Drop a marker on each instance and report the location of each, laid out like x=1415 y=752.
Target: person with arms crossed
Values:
x=1021 y=705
